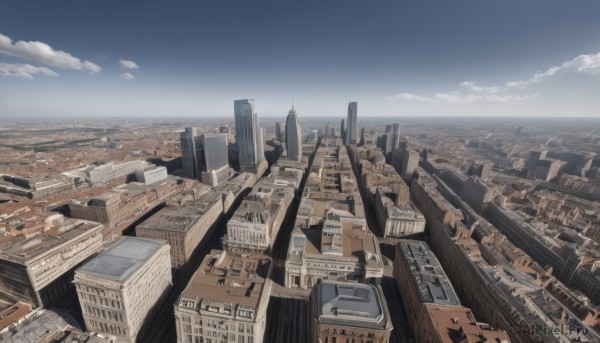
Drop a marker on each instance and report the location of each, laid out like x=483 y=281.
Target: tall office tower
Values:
x=247 y=135
x=261 y=143
x=343 y=131
x=189 y=157
x=214 y=149
x=410 y=162
x=121 y=289
x=326 y=130
x=278 y=130
x=215 y=158
x=293 y=136
x=362 y=136
x=352 y=131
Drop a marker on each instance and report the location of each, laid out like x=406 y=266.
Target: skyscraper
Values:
x=343 y=131
x=247 y=135
x=352 y=131
x=293 y=136
x=261 y=143
x=278 y=131
x=214 y=146
x=189 y=157
x=203 y=154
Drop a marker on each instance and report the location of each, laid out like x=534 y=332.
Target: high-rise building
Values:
x=352 y=131
x=214 y=149
x=119 y=290
x=260 y=143
x=247 y=135
x=278 y=131
x=410 y=162
x=343 y=131
x=293 y=136
x=189 y=158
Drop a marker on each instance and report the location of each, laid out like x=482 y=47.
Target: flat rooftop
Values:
x=434 y=285
x=122 y=259
x=22 y=249
x=356 y=304
x=183 y=217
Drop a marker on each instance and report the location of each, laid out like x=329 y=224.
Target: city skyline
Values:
x=396 y=59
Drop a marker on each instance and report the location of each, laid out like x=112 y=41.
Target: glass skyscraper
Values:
x=293 y=136
x=247 y=135
x=352 y=131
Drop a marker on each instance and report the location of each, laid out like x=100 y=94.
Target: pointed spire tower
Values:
x=293 y=135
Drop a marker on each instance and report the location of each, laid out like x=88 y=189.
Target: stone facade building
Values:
x=36 y=269
x=226 y=300
x=185 y=224
x=120 y=289
x=348 y=312
x=255 y=224
x=124 y=202
x=436 y=314
x=342 y=249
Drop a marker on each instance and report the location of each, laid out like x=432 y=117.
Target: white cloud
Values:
x=127 y=76
x=129 y=65
x=587 y=64
x=410 y=97
x=44 y=54
x=456 y=98
x=473 y=87
x=25 y=71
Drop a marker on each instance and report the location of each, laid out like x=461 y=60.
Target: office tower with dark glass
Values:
x=293 y=136
x=189 y=138
x=247 y=135
x=352 y=130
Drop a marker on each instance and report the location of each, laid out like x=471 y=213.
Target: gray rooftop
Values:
x=122 y=259
x=434 y=286
x=353 y=304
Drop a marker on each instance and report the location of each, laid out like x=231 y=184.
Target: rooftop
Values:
x=457 y=324
x=353 y=304
x=434 y=285
x=181 y=218
x=226 y=284
x=122 y=259
x=23 y=248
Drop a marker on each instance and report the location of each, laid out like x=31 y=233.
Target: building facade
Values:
x=247 y=134
x=410 y=162
x=226 y=300
x=436 y=314
x=151 y=175
x=185 y=224
x=120 y=289
x=293 y=136
x=36 y=270
x=352 y=131
x=348 y=312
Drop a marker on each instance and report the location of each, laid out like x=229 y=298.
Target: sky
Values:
x=395 y=58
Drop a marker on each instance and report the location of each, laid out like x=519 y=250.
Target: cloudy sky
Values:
x=396 y=58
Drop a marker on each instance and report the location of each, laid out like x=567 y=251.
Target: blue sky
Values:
x=396 y=58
